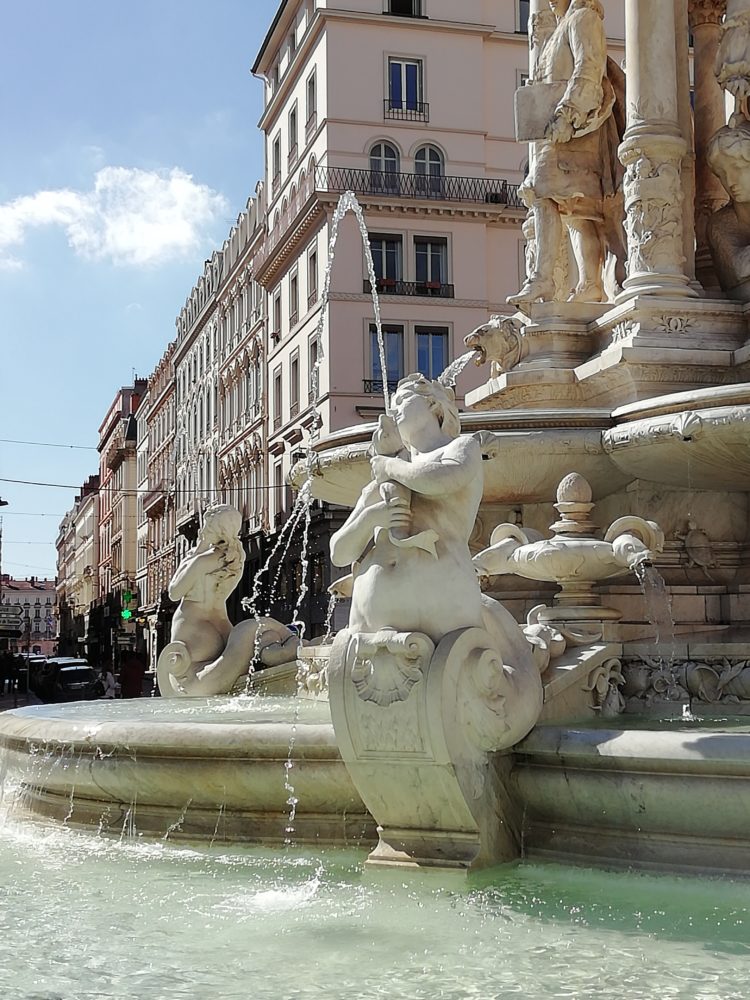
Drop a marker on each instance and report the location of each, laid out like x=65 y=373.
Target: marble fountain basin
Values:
x=526 y=455
x=615 y=793
x=192 y=766
x=698 y=439
x=653 y=794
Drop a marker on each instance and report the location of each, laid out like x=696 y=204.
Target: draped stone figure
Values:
x=729 y=157
x=573 y=186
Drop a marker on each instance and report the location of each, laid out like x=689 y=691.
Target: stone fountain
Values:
x=470 y=711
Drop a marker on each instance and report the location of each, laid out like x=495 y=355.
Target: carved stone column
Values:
x=710 y=115
x=652 y=153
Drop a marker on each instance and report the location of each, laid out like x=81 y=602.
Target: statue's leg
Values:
x=540 y=285
x=588 y=250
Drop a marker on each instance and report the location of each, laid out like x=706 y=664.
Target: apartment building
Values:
x=77 y=569
x=196 y=372
x=117 y=524
x=242 y=411
x=34 y=600
x=156 y=527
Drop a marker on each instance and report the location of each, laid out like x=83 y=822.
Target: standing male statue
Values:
x=574 y=177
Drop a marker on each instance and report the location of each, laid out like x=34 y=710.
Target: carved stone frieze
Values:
x=653 y=205
x=674 y=324
x=711 y=680
x=605 y=683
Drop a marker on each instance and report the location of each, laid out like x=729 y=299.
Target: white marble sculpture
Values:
x=501 y=341
x=426 y=660
x=733 y=57
x=573 y=558
x=574 y=173
x=207 y=654
x=729 y=228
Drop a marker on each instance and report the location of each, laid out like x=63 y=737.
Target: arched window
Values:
x=429 y=168
x=384 y=166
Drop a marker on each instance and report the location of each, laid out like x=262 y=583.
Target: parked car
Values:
x=63 y=678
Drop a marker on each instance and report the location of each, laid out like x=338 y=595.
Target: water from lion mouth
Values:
x=86 y=916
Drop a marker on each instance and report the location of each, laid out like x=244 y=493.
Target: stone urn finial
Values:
x=574 y=506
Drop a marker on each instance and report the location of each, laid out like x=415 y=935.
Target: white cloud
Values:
x=133 y=217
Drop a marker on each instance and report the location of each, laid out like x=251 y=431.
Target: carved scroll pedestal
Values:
x=417 y=726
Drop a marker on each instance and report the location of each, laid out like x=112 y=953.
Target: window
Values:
x=312 y=276
x=276 y=329
x=428 y=166
x=384 y=164
x=431 y=260
x=393 y=341
x=387 y=259
x=293 y=299
x=278 y=482
x=405 y=88
x=277 y=398
x=311 y=109
x=405 y=8
x=294 y=385
x=313 y=383
x=292 y=136
x=276 y=158
x=432 y=350
x=292 y=42
x=523 y=15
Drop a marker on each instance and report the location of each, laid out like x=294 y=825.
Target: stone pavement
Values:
x=9 y=701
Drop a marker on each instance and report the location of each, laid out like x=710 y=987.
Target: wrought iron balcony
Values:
x=419 y=111
x=373 y=385
x=395 y=286
x=390 y=184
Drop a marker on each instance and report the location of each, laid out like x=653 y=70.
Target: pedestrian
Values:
x=108 y=681
x=132 y=671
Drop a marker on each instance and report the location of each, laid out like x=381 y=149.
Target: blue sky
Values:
x=129 y=146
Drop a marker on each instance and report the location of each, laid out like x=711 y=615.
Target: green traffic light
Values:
x=126 y=614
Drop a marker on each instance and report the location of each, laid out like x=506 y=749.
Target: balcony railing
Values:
x=395 y=286
x=418 y=112
x=390 y=184
x=373 y=385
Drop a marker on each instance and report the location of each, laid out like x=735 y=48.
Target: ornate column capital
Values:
x=706 y=12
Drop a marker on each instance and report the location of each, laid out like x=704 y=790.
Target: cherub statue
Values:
x=206 y=654
x=407 y=538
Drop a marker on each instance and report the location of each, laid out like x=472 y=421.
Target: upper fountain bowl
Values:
x=526 y=455
x=697 y=439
